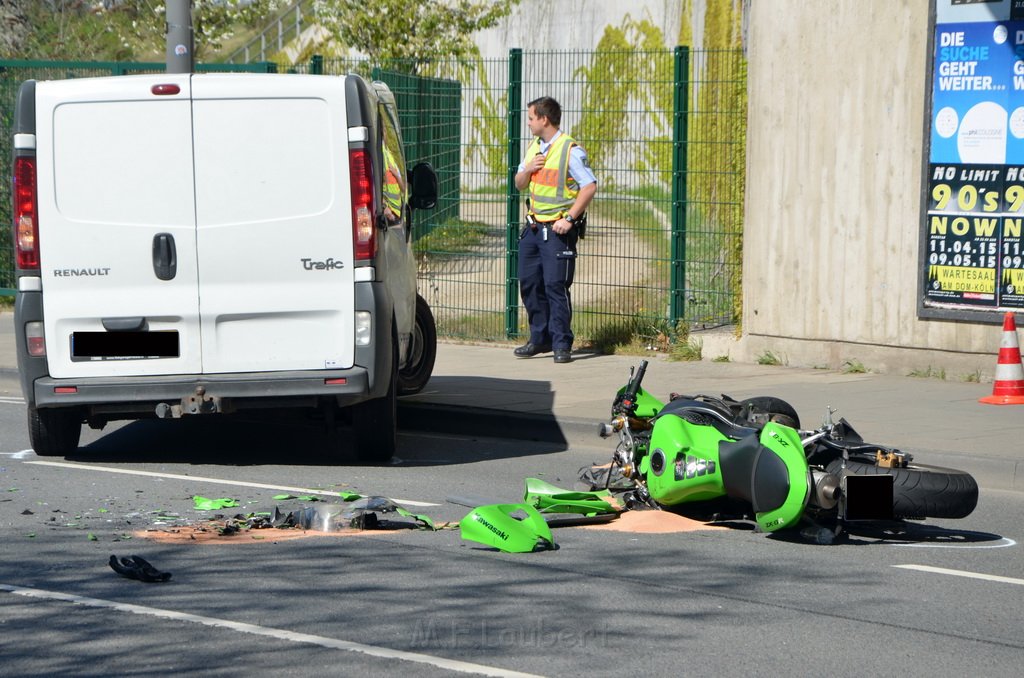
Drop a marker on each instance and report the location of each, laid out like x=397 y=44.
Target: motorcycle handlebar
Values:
x=634 y=384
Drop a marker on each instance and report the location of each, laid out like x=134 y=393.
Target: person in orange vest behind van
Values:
x=561 y=186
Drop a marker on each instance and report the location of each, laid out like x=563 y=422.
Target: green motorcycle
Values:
x=701 y=448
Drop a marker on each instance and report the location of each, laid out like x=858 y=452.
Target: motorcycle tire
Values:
x=778 y=410
x=921 y=491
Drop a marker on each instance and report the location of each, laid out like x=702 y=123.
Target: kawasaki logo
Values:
x=328 y=265
x=492 y=528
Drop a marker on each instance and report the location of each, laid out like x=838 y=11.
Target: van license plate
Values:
x=123 y=345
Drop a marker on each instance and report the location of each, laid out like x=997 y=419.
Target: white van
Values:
x=203 y=243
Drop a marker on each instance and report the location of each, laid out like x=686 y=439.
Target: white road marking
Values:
x=22 y=454
x=202 y=479
x=963 y=573
x=5 y=400
x=280 y=634
x=1001 y=544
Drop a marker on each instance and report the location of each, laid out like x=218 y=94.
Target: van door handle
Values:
x=165 y=257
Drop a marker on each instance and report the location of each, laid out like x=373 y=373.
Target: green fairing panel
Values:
x=691 y=468
x=646 y=405
x=785 y=442
x=548 y=498
x=513 y=528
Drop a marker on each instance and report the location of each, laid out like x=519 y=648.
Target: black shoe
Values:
x=529 y=349
x=563 y=355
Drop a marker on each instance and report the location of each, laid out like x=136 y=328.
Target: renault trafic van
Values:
x=194 y=244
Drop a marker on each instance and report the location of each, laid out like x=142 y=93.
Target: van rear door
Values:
x=117 y=226
x=273 y=218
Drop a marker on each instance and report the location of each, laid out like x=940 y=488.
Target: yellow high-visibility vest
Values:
x=391 y=190
x=552 y=189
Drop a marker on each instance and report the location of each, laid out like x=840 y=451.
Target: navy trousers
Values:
x=546 y=270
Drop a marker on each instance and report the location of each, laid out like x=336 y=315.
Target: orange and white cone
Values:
x=1008 y=387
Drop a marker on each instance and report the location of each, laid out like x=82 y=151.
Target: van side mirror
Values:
x=423 y=186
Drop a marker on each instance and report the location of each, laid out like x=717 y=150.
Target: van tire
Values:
x=375 y=424
x=422 y=351
x=54 y=432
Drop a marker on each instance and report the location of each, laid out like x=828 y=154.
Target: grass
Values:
x=854 y=366
x=972 y=377
x=720 y=359
x=476 y=326
x=6 y=303
x=452 y=237
x=769 y=358
x=928 y=373
x=691 y=349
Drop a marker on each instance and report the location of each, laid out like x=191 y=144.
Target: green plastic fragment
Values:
x=349 y=496
x=547 y=498
x=513 y=528
x=282 y=497
x=93 y=537
x=423 y=522
x=205 y=504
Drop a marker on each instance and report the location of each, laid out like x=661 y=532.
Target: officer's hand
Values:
x=561 y=227
x=536 y=163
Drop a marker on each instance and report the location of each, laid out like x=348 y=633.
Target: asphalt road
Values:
x=408 y=602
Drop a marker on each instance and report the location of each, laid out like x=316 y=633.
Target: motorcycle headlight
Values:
x=657 y=461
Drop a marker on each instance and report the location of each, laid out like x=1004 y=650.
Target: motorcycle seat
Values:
x=704 y=414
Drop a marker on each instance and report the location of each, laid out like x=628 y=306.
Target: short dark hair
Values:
x=546 y=107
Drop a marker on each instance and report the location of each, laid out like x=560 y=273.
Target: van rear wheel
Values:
x=422 y=351
x=375 y=424
x=54 y=432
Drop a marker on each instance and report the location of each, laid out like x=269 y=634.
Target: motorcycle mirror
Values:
x=827 y=421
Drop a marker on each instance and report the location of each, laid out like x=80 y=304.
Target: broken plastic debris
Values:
x=547 y=498
x=360 y=515
x=513 y=528
x=205 y=504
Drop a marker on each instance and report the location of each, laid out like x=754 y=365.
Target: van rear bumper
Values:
x=246 y=389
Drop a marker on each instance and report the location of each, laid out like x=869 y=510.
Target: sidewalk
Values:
x=485 y=390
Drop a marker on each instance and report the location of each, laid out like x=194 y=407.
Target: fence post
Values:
x=680 y=120
x=316 y=64
x=515 y=99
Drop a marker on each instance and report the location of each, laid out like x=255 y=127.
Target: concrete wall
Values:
x=834 y=179
x=576 y=24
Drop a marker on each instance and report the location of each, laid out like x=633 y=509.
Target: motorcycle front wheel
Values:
x=921 y=491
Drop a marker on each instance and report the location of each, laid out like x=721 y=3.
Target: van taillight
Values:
x=364 y=235
x=26 y=226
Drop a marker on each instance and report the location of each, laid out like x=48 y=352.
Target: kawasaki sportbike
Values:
x=701 y=448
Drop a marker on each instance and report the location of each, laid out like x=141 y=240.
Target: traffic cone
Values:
x=1008 y=386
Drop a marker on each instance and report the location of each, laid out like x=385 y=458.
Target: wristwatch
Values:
x=570 y=218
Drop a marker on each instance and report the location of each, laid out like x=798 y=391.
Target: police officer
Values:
x=561 y=185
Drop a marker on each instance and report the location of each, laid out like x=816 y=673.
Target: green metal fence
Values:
x=665 y=134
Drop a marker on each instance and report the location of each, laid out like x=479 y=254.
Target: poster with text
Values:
x=975 y=204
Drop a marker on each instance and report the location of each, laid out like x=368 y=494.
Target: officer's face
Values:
x=535 y=124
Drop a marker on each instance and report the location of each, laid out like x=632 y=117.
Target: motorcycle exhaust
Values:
x=826 y=489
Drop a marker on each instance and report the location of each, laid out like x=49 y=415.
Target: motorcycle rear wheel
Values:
x=921 y=491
